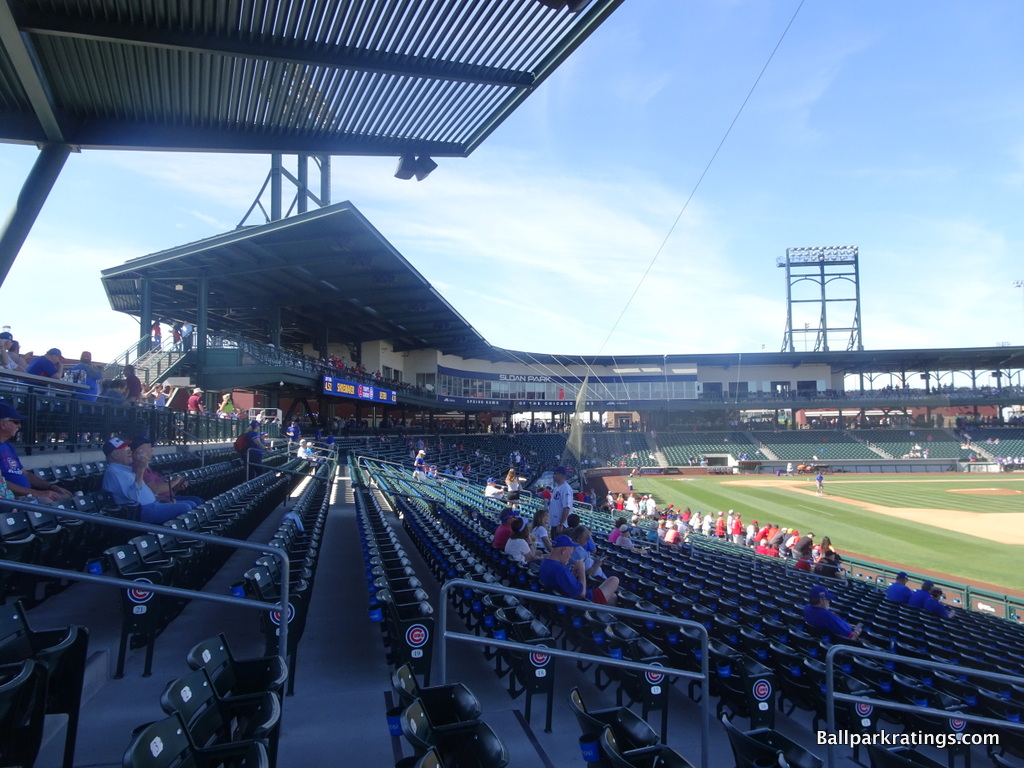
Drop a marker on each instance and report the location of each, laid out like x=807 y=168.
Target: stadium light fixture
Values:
x=410 y=165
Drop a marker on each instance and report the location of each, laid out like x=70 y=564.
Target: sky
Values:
x=895 y=127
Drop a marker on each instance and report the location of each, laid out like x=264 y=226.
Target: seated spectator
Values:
x=165 y=490
x=672 y=536
x=50 y=365
x=918 y=596
x=898 y=591
x=504 y=530
x=613 y=537
x=581 y=537
x=829 y=561
x=572 y=583
x=539 y=529
x=933 y=604
x=123 y=480
x=818 y=615
x=10 y=359
x=113 y=392
x=802 y=552
x=520 y=544
x=20 y=481
x=625 y=540
x=493 y=490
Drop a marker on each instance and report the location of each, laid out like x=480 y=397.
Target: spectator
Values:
x=9 y=359
x=158 y=396
x=539 y=529
x=504 y=530
x=87 y=374
x=254 y=448
x=802 y=551
x=918 y=596
x=20 y=481
x=165 y=490
x=195 y=401
x=520 y=544
x=898 y=591
x=133 y=385
x=226 y=409
x=817 y=614
x=123 y=480
x=572 y=583
x=50 y=365
x=560 y=503
x=932 y=604
x=581 y=537
x=113 y=392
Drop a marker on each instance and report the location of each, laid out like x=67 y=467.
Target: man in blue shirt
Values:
x=21 y=481
x=818 y=615
x=931 y=604
x=124 y=482
x=918 y=597
x=898 y=591
x=572 y=583
x=50 y=365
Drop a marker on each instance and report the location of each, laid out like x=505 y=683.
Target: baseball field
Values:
x=969 y=527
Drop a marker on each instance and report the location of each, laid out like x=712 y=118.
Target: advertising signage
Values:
x=536 y=405
x=342 y=388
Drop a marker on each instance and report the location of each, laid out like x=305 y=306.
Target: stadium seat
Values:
x=61 y=655
x=899 y=757
x=165 y=744
x=657 y=756
x=236 y=677
x=763 y=745
x=445 y=704
x=465 y=744
x=629 y=729
x=22 y=712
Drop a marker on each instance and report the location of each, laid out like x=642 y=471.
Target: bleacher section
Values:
x=686 y=449
x=1006 y=443
x=815 y=445
x=613 y=449
x=913 y=443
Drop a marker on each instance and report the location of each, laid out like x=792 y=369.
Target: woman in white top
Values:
x=520 y=544
x=539 y=529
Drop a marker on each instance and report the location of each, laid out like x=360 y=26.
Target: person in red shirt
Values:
x=546 y=494
x=504 y=530
x=737 y=530
x=195 y=401
x=720 y=526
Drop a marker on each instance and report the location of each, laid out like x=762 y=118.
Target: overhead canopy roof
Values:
x=332 y=269
x=371 y=77
x=329 y=268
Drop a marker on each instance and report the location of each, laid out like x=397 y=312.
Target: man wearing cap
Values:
x=254 y=447
x=195 y=401
x=932 y=604
x=898 y=591
x=50 y=365
x=560 y=503
x=817 y=614
x=419 y=466
x=504 y=530
x=88 y=374
x=572 y=582
x=802 y=551
x=492 y=490
x=164 y=489
x=6 y=343
x=123 y=481
x=918 y=596
x=20 y=481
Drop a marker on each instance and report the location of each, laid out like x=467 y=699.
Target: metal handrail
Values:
x=831 y=695
x=116 y=522
x=526 y=595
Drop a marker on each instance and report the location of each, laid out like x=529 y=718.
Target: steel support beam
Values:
x=145 y=315
x=30 y=201
x=202 y=324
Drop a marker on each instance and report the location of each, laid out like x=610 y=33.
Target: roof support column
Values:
x=145 y=316
x=30 y=201
x=303 y=173
x=274 y=326
x=325 y=180
x=276 y=195
x=202 y=324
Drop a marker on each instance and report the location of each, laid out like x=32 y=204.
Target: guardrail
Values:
x=529 y=596
x=832 y=696
x=62 y=573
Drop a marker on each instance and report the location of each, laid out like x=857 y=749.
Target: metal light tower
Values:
x=822 y=277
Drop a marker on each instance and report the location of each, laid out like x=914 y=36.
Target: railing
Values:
x=56 y=419
x=832 y=696
x=188 y=594
x=465 y=637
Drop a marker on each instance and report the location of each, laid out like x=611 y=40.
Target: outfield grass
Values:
x=859 y=531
